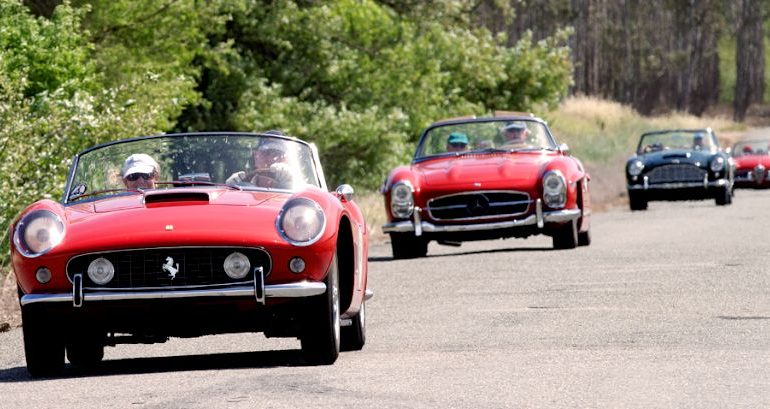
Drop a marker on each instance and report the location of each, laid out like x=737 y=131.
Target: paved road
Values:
x=667 y=308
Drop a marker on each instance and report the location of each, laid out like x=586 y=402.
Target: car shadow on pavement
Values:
x=376 y=259
x=240 y=360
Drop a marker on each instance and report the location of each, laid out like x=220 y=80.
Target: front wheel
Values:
x=584 y=238
x=636 y=201
x=724 y=196
x=86 y=350
x=43 y=343
x=354 y=336
x=320 y=338
x=407 y=245
x=566 y=237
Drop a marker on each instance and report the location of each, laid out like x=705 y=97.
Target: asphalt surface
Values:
x=666 y=308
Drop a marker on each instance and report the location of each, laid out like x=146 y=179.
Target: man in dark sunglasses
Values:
x=140 y=171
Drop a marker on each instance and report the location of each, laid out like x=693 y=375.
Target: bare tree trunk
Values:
x=750 y=58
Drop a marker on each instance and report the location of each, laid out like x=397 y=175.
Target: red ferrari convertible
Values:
x=188 y=235
x=487 y=178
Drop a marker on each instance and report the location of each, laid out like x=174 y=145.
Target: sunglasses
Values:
x=135 y=176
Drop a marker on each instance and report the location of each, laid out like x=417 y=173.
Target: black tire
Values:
x=354 y=336
x=320 y=337
x=636 y=201
x=86 y=350
x=43 y=343
x=566 y=237
x=406 y=245
x=584 y=238
x=724 y=197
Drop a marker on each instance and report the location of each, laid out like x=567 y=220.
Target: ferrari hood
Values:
x=175 y=217
x=517 y=171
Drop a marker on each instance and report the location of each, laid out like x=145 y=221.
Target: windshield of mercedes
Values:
x=247 y=162
x=485 y=136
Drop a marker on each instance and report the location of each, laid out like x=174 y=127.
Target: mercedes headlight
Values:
x=554 y=190
x=717 y=164
x=401 y=200
x=38 y=232
x=301 y=222
x=635 y=168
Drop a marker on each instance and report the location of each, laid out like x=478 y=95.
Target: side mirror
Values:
x=344 y=192
x=564 y=149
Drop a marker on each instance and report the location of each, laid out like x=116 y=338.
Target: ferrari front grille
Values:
x=168 y=267
x=676 y=174
x=478 y=205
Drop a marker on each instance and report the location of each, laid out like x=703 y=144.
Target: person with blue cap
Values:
x=457 y=142
x=515 y=133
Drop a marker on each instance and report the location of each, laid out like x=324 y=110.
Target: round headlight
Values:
x=401 y=200
x=301 y=222
x=237 y=265
x=38 y=232
x=554 y=190
x=101 y=271
x=717 y=164
x=635 y=168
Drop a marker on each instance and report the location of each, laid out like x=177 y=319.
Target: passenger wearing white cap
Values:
x=515 y=133
x=140 y=171
x=270 y=167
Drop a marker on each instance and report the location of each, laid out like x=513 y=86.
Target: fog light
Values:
x=101 y=271
x=297 y=265
x=237 y=265
x=43 y=275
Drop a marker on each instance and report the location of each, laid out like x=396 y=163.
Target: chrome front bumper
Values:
x=645 y=185
x=539 y=218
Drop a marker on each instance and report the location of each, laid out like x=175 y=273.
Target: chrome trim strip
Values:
x=417 y=222
x=289 y=290
x=548 y=217
x=539 y=213
x=716 y=183
x=259 y=285
x=77 y=291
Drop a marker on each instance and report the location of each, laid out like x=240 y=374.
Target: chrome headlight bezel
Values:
x=45 y=221
x=554 y=189
x=717 y=164
x=635 y=168
x=293 y=211
x=402 y=199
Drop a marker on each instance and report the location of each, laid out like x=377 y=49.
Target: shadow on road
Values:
x=377 y=259
x=261 y=359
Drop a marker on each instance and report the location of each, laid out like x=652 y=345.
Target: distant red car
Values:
x=188 y=235
x=487 y=178
x=752 y=162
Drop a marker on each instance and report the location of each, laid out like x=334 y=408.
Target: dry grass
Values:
x=10 y=315
x=373 y=207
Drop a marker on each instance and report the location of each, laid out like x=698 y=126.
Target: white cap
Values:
x=140 y=163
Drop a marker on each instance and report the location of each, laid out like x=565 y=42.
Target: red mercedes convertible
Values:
x=752 y=161
x=487 y=178
x=187 y=235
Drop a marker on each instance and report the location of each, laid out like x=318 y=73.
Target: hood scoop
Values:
x=175 y=197
x=676 y=155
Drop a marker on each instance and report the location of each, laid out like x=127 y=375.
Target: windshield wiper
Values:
x=198 y=183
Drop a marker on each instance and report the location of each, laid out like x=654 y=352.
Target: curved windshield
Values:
x=247 y=162
x=746 y=148
x=689 y=140
x=484 y=136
